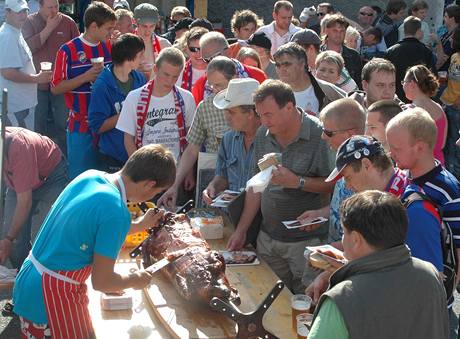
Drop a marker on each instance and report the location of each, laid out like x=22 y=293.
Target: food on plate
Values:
x=269 y=159
x=198 y=273
x=239 y=257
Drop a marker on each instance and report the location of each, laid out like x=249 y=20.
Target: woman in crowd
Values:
x=249 y=57
x=420 y=85
x=330 y=67
x=443 y=49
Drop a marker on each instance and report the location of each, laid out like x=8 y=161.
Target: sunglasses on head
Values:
x=194 y=49
x=366 y=14
x=330 y=134
x=209 y=58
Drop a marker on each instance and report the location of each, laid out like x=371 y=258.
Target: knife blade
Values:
x=158 y=265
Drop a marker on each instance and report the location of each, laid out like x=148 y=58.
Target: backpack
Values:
x=449 y=252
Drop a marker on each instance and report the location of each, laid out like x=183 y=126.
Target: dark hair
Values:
x=381 y=161
x=293 y=49
x=243 y=18
x=126 y=47
x=379 y=217
x=411 y=25
x=337 y=19
x=281 y=92
x=223 y=65
x=453 y=11
x=282 y=4
x=328 y=5
x=376 y=65
x=424 y=79
x=195 y=34
x=416 y=6
x=456 y=40
x=394 y=6
x=151 y=162
x=98 y=12
x=375 y=31
x=377 y=9
x=387 y=109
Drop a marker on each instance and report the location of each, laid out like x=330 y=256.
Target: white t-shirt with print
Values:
x=161 y=122
x=307 y=100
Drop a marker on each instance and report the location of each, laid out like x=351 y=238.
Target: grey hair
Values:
x=223 y=65
x=213 y=38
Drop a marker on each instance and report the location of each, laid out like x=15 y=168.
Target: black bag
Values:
x=449 y=252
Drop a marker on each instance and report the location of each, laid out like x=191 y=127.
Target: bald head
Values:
x=346 y=113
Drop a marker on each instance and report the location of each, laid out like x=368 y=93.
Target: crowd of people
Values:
x=364 y=112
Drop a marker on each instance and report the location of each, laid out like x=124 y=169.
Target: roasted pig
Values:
x=197 y=272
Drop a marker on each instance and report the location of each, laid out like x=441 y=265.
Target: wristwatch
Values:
x=301 y=183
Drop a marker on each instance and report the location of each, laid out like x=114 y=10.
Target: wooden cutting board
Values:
x=185 y=320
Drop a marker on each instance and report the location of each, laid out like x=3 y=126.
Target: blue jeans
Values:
x=42 y=199
x=81 y=153
x=452 y=151
x=48 y=102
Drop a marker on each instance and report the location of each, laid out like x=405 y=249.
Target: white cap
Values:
x=238 y=93
x=16 y=5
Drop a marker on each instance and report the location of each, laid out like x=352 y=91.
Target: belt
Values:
x=42 y=269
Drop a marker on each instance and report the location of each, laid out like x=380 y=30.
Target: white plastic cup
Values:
x=98 y=60
x=304 y=321
x=46 y=65
x=300 y=303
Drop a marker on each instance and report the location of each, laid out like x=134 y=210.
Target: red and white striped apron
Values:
x=66 y=301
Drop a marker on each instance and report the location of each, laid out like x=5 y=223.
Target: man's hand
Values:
x=168 y=199
x=308 y=216
x=115 y=35
x=140 y=279
x=53 y=22
x=237 y=240
x=5 y=250
x=209 y=194
x=92 y=73
x=318 y=286
x=284 y=177
x=44 y=77
x=151 y=218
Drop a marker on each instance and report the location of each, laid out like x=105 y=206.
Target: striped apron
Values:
x=66 y=301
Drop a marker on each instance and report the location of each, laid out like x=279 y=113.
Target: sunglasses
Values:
x=330 y=134
x=321 y=14
x=209 y=58
x=194 y=49
x=366 y=14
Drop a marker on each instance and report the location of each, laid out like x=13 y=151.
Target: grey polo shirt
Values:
x=306 y=156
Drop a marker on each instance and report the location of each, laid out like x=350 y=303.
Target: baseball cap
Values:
x=183 y=23
x=121 y=4
x=260 y=39
x=306 y=37
x=16 y=5
x=200 y=22
x=146 y=13
x=355 y=148
x=307 y=13
x=238 y=93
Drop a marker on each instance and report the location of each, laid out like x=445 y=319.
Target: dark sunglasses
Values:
x=209 y=58
x=366 y=14
x=320 y=14
x=194 y=49
x=330 y=134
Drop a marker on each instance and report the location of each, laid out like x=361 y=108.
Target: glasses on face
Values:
x=330 y=134
x=283 y=64
x=194 y=49
x=320 y=14
x=209 y=58
x=366 y=14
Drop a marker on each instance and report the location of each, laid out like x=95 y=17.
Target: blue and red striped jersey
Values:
x=72 y=60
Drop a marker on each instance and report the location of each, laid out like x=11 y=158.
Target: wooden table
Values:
x=253 y=283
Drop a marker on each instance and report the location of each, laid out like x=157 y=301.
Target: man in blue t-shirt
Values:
x=83 y=234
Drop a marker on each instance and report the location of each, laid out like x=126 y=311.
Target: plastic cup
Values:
x=46 y=66
x=442 y=77
x=304 y=321
x=300 y=303
x=98 y=60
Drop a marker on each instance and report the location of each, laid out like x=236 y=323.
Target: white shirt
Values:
x=307 y=100
x=276 y=39
x=161 y=122
x=15 y=53
x=196 y=74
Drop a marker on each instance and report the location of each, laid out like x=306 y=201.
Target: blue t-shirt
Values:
x=341 y=192
x=89 y=217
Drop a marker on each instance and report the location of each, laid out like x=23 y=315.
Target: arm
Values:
x=284 y=177
x=68 y=85
x=188 y=159
x=21 y=213
x=104 y=278
x=109 y=124
x=251 y=206
x=15 y=75
x=36 y=41
x=129 y=144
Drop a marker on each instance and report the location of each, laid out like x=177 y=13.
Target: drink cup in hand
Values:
x=46 y=66
x=98 y=60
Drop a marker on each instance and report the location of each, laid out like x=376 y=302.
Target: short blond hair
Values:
x=418 y=123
